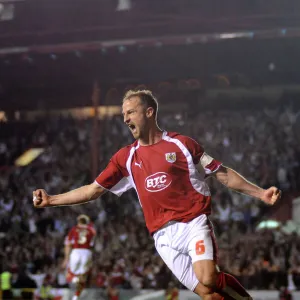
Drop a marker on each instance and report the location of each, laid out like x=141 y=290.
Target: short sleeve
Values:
x=194 y=148
x=115 y=177
x=209 y=164
x=93 y=236
x=200 y=158
x=69 y=237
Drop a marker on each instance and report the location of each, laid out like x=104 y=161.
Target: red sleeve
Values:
x=92 y=227
x=93 y=230
x=198 y=154
x=211 y=167
x=195 y=149
x=70 y=236
x=93 y=236
x=115 y=170
x=112 y=176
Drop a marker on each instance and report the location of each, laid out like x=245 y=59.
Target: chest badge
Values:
x=171 y=157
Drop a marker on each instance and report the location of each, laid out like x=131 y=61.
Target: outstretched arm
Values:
x=237 y=182
x=81 y=195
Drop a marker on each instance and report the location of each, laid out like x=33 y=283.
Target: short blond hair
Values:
x=83 y=219
x=146 y=96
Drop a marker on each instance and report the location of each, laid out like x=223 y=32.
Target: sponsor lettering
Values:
x=157 y=182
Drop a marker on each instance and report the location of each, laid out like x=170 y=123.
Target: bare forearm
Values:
x=81 y=195
x=68 y=249
x=237 y=182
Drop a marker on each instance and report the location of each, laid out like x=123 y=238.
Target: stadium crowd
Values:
x=262 y=145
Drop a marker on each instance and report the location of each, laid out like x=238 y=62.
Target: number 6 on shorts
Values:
x=200 y=248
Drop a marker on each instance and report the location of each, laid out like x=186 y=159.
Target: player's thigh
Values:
x=82 y=262
x=75 y=261
x=203 y=253
x=206 y=272
x=86 y=261
x=180 y=264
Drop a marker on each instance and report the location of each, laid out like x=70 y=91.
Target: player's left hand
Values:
x=271 y=195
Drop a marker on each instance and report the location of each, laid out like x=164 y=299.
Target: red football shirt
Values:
x=81 y=236
x=166 y=176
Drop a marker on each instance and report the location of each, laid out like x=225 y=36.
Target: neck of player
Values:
x=154 y=136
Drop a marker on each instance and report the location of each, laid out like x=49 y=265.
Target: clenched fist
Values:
x=41 y=198
x=271 y=195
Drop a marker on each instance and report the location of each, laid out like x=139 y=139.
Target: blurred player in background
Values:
x=168 y=171
x=112 y=292
x=285 y=294
x=78 y=253
x=172 y=292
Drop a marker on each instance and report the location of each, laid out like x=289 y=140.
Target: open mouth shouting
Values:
x=132 y=128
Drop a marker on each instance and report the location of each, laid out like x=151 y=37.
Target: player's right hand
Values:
x=40 y=198
x=64 y=264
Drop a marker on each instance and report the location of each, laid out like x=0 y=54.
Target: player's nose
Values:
x=126 y=119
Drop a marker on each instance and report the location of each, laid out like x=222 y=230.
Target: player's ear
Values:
x=149 y=112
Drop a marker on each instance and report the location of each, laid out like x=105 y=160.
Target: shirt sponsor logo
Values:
x=171 y=157
x=157 y=182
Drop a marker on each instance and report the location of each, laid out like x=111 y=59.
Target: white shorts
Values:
x=80 y=261
x=182 y=244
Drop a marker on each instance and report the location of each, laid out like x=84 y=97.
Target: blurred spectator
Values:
x=6 y=284
x=265 y=150
x=172 y=292
x=112 y=293
x=25 y=283
x=285 y=294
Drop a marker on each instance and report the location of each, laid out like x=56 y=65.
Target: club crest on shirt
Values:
x=171 y=157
